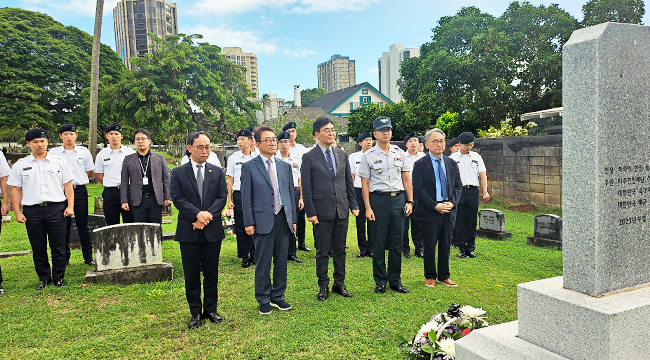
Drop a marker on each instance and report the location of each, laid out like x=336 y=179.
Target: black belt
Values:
x=149 y=194
x=388 y=193
x=297 y=188
x=469 y=186
x=112 y=187
x=78 y=186
x=47 y=203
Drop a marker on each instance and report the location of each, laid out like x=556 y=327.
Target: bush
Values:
x=506 y=130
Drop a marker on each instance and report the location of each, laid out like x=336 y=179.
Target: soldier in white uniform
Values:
x=412 y=143
x=295 y=148
x=212 y=159
x=4 y=191
x=108 y=169
x=284 y=146
x=454 y=145
x=364 y=242
x=42 y=183
x=471 y=167
x=81 y=164
x=245 y=245
x=388 y=195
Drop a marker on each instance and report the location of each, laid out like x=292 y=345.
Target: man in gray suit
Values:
x=268 y=199
x=145 y=182
x=328 y=192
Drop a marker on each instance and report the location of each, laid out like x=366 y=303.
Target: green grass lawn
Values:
x=146 y=321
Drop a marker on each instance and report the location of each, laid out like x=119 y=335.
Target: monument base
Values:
x=542 y=242
x=492 y=234
x=133 y=275
x=570 y=324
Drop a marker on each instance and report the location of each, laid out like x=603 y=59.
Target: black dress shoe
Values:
x=303 y=247
x=195 y=322
x=323 y=294
x=43 y=284
x=2 y=291
x=90 y=262
x=341 y=291
x=419 y=254
x=471 y=254
x=407 y=255
x=214 y=317
x=245 y=263
x=59 y=283
x=361 y=255
x=399 y=288
x=294 y=259
x=251 y=260
x=380 y=289
x=330 y=253
x=462 y=255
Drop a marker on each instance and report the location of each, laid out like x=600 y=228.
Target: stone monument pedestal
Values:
x=135 y=275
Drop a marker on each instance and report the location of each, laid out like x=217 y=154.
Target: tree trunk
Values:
x=94 y=77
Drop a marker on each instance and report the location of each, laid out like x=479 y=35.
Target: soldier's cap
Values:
x=408 y=137
x=290 y=125
x=245 y=132
x=466 y=138
x=421 y=139
x=283 y=135
x=363 y=136
x=382 y=122
x=113 y=127
x=34 y=134
x=453 y=142
x=251 y=129
x=67 y=127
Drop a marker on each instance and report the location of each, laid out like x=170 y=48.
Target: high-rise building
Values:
x=133 y=19
x=389 y=65
x=337 y=73
x=272 y=110
x=247 y=60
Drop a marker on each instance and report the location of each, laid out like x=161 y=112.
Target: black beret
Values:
x=290 y=125
x=466 y=138
x=453 y=142
x=34 y=134
x=381 y=122
x=251 y=129
x=67 y=127
x=113 y=127
x=245 y=132
x=363 y=136
x=421 y=139
x=408 y=137
x=284 y=135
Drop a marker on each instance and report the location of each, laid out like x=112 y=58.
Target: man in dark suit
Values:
x=328 y=192
x=199 y=192
x=145 y=181
x=436 y=187
x=268 y=198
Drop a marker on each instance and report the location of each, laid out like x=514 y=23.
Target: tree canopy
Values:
x=400 y=114
x=307 y=96
x=44 y=69
x=624 y=11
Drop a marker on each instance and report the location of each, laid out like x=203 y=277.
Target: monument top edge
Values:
x=594 y=32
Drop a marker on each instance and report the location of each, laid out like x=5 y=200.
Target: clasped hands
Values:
x=203 y=218
x=444 y=207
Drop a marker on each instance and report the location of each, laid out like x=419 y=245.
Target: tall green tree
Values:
x=400 y=114
x=44 y=69
x=307 y=96
x=94 y=75
x=623 y=11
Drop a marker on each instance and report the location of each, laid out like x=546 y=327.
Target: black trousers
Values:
x=437 y=231
x=0 y=232
x=81 y=220
x=330 y=234
x=299 y=236
x=416 y=235
x=198 y=255
x=365 y=243
x=387 y=230
x=113 y=207
x=46 y=223
x=148 y=211
x=272 y=248
x=466 y=218
x=245 y=244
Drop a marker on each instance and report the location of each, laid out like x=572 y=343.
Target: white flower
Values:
x=471 y=312
x=430 y=327
x=447 y=346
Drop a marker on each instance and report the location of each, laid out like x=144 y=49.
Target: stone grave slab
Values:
x=99 y=205
x=94 y=222
x=492 y=225
x=548 y=231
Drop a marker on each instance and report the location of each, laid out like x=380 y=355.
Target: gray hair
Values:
x=428 y=134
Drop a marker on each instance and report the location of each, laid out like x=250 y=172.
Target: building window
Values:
x=364 y=91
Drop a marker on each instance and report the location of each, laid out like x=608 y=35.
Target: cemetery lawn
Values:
x=82 y=321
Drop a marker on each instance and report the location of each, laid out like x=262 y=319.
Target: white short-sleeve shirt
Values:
x=295 y=161
x=79 y=160
x=469 y=166
x=412 y=159
x=109 y=162
x=384 y=170
x=233 y=170
x=41 y=181
x=4 y=167
x=355 y=160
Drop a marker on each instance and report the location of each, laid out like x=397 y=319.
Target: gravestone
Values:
x=167 y=210
x=94 y=222
x=99 y=205
x=492 y=225
x=6 y=219
x=129 y=253
x=599 y=308
x=548 y=231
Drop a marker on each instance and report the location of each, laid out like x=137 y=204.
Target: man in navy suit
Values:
x=198 y=190
x=436 y=188
x=268 y=198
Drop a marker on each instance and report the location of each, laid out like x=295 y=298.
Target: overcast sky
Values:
x=291 y=37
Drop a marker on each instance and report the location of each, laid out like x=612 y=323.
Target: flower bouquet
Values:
x=228 y=220
x=436 y=339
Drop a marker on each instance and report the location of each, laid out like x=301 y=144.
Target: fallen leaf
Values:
x=82 y=286
x=498 y=285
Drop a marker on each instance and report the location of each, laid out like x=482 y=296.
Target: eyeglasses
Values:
x=270 y=140
x=384 y=130
x=141 y=138
x=283 y=141
x=203 y=148
x=436 y=142
x=328 y=130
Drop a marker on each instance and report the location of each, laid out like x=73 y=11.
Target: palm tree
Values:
x=266 y=102
x=94 y=77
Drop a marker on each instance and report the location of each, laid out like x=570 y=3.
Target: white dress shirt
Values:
x=79 y=160
x=234 y=167
x=41 y=181
x=4 y=167
x=109 y=162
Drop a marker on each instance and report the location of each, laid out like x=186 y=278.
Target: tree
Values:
x=94 y=75
x=44 y=70
x=308 y=96
x=623 y=11
x=266 y=103
x=182 y=86
x=400 y=115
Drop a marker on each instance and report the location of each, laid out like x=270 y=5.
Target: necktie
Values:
x=328 y=156
x=444 y=190
x=276 y=194
x=199 y=180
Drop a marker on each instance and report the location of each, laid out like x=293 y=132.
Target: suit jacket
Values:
x=185 y=195
x=424 y=187
x=326 y=196
x=131 y=187
x=257 y=194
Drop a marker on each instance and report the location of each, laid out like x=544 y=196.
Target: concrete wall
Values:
x=524 y=169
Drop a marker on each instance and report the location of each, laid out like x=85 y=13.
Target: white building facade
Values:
x=389 y=65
